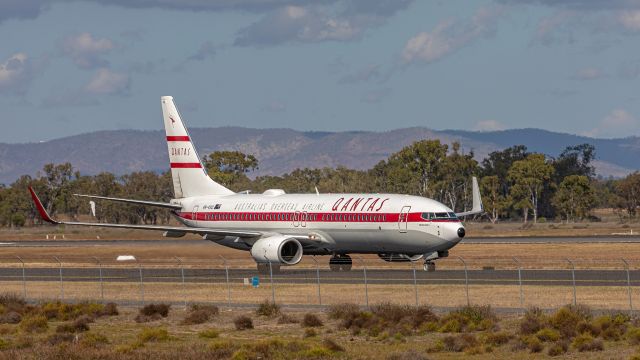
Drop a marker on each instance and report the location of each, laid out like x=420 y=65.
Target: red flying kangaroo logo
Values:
x=172 y=121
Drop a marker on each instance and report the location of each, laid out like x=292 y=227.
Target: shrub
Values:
x=547 y=334
x=534 y=344
x=11 y=317
x=309 y=332
x=4 y=344
x=287 y=319
x=268 y=309
x=243 y=322
x=110 y=309
x=566 y=319
x=211 y=309
x=153 y=334
x=34 y=323
x=209 y=334
x=557 y=348
x=586 y=342
x=196 y=317
x=633 y=335
x=147 y=318
x=58 y=338
x=343 y=311
x=80 y=324
x=533 y=320
x=587 y=327
x=459 y=343
x=155 y=309
x=470 y=318
x=497 y=338
x=311 y=320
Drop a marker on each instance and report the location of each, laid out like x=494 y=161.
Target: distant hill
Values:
x=282 y=150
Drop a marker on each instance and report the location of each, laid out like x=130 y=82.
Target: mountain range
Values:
x=282 y=150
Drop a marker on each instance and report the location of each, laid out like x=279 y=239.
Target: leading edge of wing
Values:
x=200 y=231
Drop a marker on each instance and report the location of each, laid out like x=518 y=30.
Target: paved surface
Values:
x=301 y=276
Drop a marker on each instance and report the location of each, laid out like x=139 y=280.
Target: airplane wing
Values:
x=138 y=202
x=174 y=230
x=477 y=207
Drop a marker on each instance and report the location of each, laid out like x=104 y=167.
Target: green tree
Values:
x=498 y=163
x=229 y=168
x=529 y=177
x=575 y=197
x=575 y=160
x=494 y=202
x=629 y=190
x=454 y=182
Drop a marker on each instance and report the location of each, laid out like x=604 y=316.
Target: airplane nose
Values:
x=461 y=232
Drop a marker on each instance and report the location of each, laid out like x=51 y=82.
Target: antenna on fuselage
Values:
x=317 y=192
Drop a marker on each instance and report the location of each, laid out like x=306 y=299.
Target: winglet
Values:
x=477 y=200
x=43 y=213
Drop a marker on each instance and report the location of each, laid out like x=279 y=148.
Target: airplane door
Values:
x=403 y=218
x=303 y=219
x=296 y=218
x=194 y=215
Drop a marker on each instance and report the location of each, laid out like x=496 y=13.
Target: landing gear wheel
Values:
x=429 y=266
x=264 y=269
x=340 y=263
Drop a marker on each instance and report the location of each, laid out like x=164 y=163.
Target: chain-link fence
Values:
x=502 y=283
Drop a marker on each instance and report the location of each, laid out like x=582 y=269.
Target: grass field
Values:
x=91 y=330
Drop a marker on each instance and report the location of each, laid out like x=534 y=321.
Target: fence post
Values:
x=226 y=271
x=573 y=278
x=520 y=281
x=24 y=278
x=366 y=287
x=318 y=278
x=273 y=290
x=61 y=283
x=415 y=281
x=101 y=284
x=141 y=282
x=466 y=279
x=626 y=267
x=184 y=289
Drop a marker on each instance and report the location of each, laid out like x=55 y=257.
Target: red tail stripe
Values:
x=178 y=138
x=186 y=166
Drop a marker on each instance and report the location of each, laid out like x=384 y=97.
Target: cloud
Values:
x=450 y=36
x=618 y=123
x=376 y=96
x=588 y=73
x=21 y=9
x=488 y=125
x=207 y=51
x=87 y=51
x=579 y=4
x=303 y=24
x=630 y=20
x=107 y=82
x=16 y=74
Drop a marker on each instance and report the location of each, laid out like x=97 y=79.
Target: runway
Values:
x=155 y=242
x=303 y=276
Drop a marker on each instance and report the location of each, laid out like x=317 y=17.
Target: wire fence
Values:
x=515 y=283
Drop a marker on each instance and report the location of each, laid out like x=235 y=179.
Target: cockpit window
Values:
x=438 y=215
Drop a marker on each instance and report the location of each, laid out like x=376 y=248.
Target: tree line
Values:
x=515 y=184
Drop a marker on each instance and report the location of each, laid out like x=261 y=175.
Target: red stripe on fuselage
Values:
x=306 y=217
x=178 y=138
x=186 y=166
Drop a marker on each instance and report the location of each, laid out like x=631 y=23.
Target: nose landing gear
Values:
x=340 y=262
x=429 y=266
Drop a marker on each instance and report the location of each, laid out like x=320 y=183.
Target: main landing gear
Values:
x=340 y=262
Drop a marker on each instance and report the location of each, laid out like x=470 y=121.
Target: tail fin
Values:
x=189 y=176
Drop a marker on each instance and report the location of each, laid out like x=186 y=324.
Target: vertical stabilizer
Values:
x=189 y=176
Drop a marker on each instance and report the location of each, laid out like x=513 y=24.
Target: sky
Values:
x=73 y=66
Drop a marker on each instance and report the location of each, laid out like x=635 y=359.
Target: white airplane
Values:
x=278 y=228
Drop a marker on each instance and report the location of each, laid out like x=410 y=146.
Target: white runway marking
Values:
x=5 y=244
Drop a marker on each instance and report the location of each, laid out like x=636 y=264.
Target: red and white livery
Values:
x=278 y=228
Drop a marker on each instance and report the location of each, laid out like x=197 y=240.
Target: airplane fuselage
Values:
x=340 y=223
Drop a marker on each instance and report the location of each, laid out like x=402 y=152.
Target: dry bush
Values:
x=459 y=343
x=469 y=318
x=64 y=311
x=92 y=339
x=209 y=334
x=13 y=302
x=633 y=335
x=533 y=321
x=80 y=324
x=309 y=332
x=497 y=338
x=243 y=322
x=548 y=334
x=153 y=335
x=332 y=345
x=567 y=318
x=110 y=309
x=287 y=319
x=153 y=309
x=34 y=323
x=268 y=309
x=395 y=319
x=199 y=314
x=343 y=311
x=558 y=348
x=11 y=317
x=534 y=344
x=586 y=342
x=311 y=320
x=58 y=338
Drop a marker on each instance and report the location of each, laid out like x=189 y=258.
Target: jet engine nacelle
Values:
x=399 y=257
x=277 y=249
